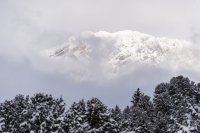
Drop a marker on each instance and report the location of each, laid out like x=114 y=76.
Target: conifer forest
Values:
x=174 y=108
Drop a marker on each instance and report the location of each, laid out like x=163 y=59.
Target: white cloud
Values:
x=27 y=28
x=99 y=56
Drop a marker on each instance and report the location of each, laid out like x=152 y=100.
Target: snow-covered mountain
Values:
x=116 y=51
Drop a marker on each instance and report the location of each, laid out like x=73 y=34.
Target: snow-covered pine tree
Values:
x=141 y=113
x=126 y=112
x=177 y=106
x=116 y=114
x=99 y=118
x=163 y=106
x=184 y=96
x=46 y=113
x=14 y=115
x=126 y=119
x=75 y=118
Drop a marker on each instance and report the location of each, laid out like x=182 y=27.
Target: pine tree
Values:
x=75 y=118
x=163 y=107
x=136 y=97
x=99 y=118
x=126 y=112
x=184 y=102
x=176 y=103
x=126 y=119
x=116 y=114
x=46 y=113
x=141 y=113
x=14 y=115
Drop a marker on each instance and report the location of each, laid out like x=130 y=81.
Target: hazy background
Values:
x=28 y=27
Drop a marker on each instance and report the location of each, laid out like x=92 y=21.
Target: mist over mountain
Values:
x=110 y=55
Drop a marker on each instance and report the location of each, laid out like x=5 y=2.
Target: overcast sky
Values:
x=28 y=28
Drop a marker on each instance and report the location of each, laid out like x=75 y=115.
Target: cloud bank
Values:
x=37 y=52
x=101 y=56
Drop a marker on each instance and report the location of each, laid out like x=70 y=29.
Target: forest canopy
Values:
x=174 y=108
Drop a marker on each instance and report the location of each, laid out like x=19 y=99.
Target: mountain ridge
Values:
x=114 y=52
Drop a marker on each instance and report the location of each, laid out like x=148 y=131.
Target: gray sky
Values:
x=29 y=27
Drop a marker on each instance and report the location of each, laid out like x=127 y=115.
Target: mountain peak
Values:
x=122 y=50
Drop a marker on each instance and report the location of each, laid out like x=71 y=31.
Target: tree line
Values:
x=175 y=108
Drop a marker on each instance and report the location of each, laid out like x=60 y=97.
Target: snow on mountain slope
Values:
x=112 y=54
